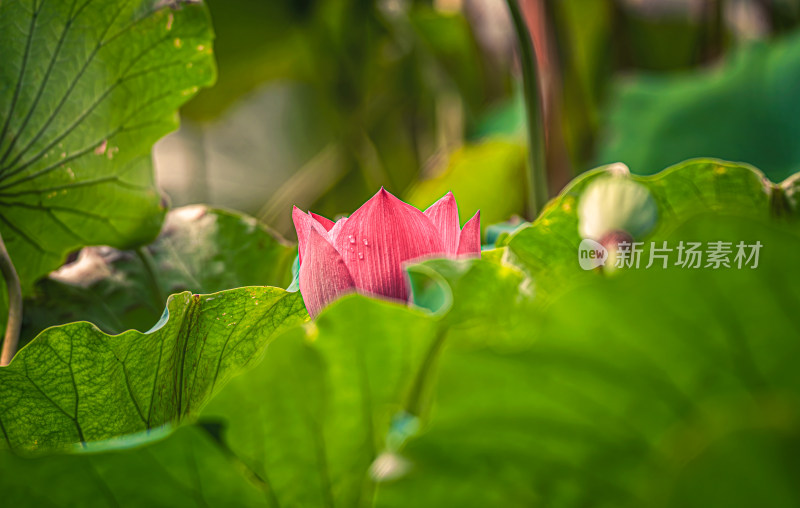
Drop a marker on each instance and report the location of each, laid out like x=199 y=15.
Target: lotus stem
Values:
x=534 y=113
x=150 y=271
x=415 y=403
x=14 y=323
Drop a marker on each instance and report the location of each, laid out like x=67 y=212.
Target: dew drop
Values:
x=352 y=240
x=352 y=249
x=366 y=243
x=360 y=255
x=178 y=43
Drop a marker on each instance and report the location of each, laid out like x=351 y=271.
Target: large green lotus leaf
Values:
x=200 y=249
x=311 y=418
x=312 y=423
x=747 y=110
x=302 y=427
x=497 y=194
x=74 y=383
x=548 y=249
x=648 y=388
x=328 y=400
x=188 y=468
x=86 y=88
x=307 y=423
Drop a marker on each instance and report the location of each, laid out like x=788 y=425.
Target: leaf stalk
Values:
x=415 y=404
x=14 y=323
x=534 y=113
x=159 y=299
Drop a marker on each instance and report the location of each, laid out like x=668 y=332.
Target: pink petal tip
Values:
x=469 y=243
x=326 y=222
x=303 y=224
x=444 y=215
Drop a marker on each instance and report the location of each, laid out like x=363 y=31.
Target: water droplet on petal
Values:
x=352 y=249
x=366 y=243
x=360 y=255
x=352 y=240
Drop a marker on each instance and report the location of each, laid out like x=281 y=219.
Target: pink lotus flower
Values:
x=365 y=252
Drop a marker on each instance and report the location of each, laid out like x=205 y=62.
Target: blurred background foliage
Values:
x=320 y=102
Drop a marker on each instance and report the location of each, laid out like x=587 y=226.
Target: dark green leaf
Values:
x=199 y=249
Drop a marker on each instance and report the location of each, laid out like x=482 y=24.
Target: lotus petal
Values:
x=336 y=229
x=326 y=222
x=303 y=224
x=469 y=243
x=444 y=215
x=379 y=237
x=323 y=274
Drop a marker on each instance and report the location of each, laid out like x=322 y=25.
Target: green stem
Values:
x=14 y=306
x=152 y=281
x=537 y=166
x=415 y=398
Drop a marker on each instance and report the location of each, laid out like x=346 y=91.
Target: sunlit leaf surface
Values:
x=75 y=384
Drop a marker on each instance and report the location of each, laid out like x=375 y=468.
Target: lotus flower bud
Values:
x=616 y=204
x=365 y=252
